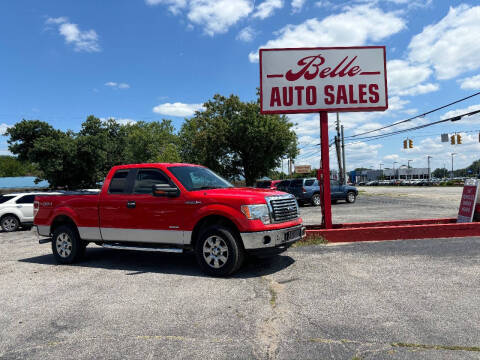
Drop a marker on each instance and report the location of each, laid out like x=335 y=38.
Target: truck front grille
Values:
x=283 y=208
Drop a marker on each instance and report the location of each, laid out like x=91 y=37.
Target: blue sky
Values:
x=153 y=59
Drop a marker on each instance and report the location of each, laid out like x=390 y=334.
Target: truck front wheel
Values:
x=218 y=252
x=66 y=245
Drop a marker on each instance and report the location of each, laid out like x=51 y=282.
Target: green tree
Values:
x=80 y=160
x=11 y=166
x=233 y=138
x=440 y=173
x=151 y=142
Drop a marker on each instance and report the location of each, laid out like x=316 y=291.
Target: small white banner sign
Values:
x=468 y=201
x=308 y=80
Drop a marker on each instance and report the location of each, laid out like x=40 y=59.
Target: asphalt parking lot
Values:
x=382 y=203
x=414 y=299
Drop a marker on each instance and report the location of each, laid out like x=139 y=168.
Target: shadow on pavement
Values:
x=139 y=262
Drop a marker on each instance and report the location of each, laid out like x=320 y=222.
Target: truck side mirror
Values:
x=166 y=190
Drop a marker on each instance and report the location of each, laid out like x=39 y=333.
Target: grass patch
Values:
x=311 y=240
x=437 y=347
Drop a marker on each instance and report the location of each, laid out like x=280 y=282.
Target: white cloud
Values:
x=173 y=5
x=355 y=26
x=246 y=34
x=3 y=128
x=214 y=16
x=267 y=8
x=116 y=85
x=297 y=5
x=450 y=46
x=56 y=21
x=323 y=3
x=177 y=109
x=81 y=40
x=470 y=83
x=406 y=79
x=122 y=121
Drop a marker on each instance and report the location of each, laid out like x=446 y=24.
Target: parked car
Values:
x=16 y=210
x=267 y=184
x=171 y=208
x=307 y=190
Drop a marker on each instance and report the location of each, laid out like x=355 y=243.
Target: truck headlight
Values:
x=254 y=212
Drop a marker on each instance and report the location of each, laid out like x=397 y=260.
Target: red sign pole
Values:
x=326 y=200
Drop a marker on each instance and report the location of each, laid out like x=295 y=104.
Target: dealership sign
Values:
x=305 y=80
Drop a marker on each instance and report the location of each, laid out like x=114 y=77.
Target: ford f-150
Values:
x=170 y=208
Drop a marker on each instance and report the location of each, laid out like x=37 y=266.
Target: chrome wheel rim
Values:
x=351 y=197
x=64 y=245
x=316 y=200
x=215 y=252
x=9 y=224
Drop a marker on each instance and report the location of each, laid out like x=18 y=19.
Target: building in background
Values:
x=402 y=173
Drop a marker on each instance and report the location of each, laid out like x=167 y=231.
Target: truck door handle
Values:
x=131 y=204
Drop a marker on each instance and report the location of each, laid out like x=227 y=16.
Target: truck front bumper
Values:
x=272 y=240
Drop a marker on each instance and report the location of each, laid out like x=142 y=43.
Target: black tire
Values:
x=315 y=200
x=351 y=197
x=67 y=247
x=10 y=223
x=226 y=256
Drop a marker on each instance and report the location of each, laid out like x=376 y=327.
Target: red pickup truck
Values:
x=170 y=208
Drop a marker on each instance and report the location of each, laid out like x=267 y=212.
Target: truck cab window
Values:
x=146 y=178
x=118 y=185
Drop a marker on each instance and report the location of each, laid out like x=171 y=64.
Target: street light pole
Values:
x=452 y=164
x=428 y=161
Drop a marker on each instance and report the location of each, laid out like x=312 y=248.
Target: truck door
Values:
x=145 y=218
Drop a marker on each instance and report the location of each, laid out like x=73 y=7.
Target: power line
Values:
x=415 y=117
x=377 y=137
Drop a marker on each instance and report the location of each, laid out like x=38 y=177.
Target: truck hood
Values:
x=250 y=195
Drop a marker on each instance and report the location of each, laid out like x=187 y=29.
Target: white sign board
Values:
x=308 y=80
x=303 y=169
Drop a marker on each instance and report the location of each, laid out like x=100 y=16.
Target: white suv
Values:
x=17 y=210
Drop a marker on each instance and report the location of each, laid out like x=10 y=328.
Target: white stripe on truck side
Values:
x=177 y=237
x=148 y=236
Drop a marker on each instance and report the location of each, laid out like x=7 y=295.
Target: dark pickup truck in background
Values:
x=307 y=190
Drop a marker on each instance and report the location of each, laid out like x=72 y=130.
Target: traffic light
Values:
x=452 y=139
x=405 y=146
x=410 y=143
x=459 y=139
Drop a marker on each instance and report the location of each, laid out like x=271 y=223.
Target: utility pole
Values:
x=428 y=161
x=344 y=164
x=337 y=148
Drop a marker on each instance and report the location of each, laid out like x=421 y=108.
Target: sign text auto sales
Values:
x=323 y=79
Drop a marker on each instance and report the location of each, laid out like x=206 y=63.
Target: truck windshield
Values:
x=198 y=178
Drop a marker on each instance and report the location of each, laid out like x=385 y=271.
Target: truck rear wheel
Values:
x=218 y=252
x=67 y=247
